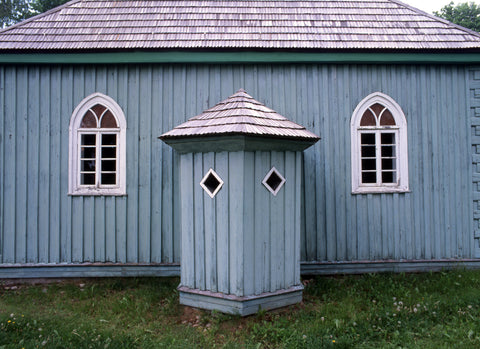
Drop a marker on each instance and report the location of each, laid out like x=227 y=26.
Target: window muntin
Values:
x=98 y=134
x=378 y=157
x=379 y=149
x=97 y=148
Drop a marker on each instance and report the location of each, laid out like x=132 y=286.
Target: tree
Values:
x=40 y=6
x=12 y=11
x=465 y=14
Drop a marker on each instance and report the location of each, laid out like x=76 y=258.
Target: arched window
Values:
x=97 y=147
x=379 y=146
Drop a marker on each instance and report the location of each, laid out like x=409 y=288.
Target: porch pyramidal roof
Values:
x=116 y=25
x=240 y=114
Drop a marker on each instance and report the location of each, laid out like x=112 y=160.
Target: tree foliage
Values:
x=40 y=6
x=465 y=14
x=13 y=11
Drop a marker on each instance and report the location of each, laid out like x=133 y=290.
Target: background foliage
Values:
x=465 y=14
x=40 y=6
x=13 y=11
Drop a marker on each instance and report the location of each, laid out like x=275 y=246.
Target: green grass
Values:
x=433 y=310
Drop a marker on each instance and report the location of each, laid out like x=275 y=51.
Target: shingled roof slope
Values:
x=244 y=24
x=240 y=114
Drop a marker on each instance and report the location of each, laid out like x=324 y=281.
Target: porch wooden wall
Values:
x=40 y=223
x=245 y=241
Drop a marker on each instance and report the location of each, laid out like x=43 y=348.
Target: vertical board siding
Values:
x=438 y=218
x=2 y=156
x=249 y=208
x=234 y=185
x=222 y=239
x=474 y=94
x=187 y=189
x=246 y=246
x=262 y=231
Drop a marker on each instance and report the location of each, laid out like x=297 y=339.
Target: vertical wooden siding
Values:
x=474 y=85
x=40 y=223
x=243 y=241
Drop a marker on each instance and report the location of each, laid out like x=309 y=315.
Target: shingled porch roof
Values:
x=240 y=114
x=119 y=25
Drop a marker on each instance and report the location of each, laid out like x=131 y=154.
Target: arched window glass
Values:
x=379 y=146
x=97 y=147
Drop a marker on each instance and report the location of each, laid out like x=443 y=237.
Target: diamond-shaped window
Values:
x=211 y=183
x=274 y=181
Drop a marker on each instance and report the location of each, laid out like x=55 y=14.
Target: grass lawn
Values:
x=433 y=310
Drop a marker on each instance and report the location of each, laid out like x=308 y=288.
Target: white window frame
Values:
x=211 y=172
x=75 y=132
x=280 y=185
x=401 y=146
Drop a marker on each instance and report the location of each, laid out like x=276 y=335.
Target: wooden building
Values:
x=88 y=189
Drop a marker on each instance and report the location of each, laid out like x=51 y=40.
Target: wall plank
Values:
x=198 y=198
x=2 y=157
x=55 y=85
x=188 y=273
x=20 y=164
x=249 y=207
x=222 y=209
x=262 y=231
x=236 y=163
x=33 y=174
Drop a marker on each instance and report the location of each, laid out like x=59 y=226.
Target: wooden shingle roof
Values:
x=240 y=114
x=236 y=24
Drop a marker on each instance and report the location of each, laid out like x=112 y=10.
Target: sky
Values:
x=433 y=5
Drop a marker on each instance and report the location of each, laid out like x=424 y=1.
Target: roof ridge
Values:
x=300 y=127
x=259 y=118
x=241 y=93
x=40 y=15
x=459 y=27
x=195 y=118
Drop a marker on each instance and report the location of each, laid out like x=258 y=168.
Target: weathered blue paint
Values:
x=161 y=270
x=241 y=242
x=474 y=86
x=246 y=305
x=30 y=271
x=40 y=223
x=249 y=278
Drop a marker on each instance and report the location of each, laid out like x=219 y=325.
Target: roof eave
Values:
x=455 y=56
x=237 y=142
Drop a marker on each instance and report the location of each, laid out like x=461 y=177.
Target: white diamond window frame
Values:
x=280 y=185
x=211 y=172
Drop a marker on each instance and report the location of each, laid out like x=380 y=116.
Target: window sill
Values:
x=98 y=192
x=380 y=190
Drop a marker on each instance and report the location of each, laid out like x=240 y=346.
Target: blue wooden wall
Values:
x=40 y=223
x=245 y=241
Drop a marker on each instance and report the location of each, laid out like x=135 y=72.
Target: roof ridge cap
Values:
x=300 y=127
x=40 y=15
x=228 y=100
x=438 y=19
x=195 y=118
